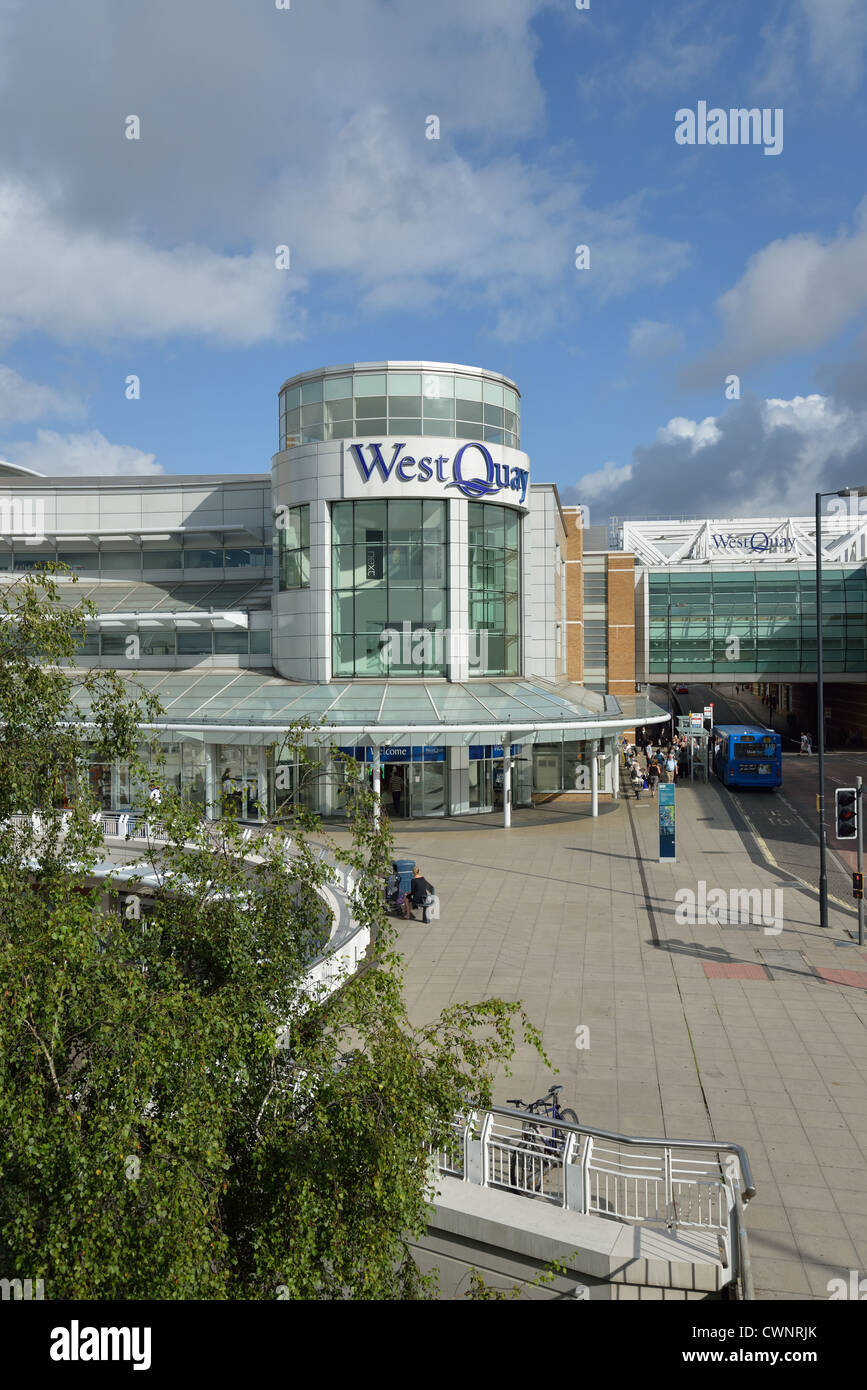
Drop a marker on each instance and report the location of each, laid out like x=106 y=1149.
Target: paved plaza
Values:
x=695 y=1031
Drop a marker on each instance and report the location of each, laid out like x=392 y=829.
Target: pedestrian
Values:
x=652 y=776
x=637 y=781
x=670 y=767
x=420 y=894
x=396 y=785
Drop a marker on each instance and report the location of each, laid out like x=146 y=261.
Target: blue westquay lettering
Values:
x=377 y=461
x=473 y=470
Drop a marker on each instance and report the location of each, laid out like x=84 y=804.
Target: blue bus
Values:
x=747 y=756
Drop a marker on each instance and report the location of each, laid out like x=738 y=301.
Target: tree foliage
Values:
x=179 y=1116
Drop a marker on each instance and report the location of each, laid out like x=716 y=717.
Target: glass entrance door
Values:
x=428 y=789
x=481 y=785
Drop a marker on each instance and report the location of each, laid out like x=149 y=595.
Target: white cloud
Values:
x=69 y=283
x=692 y=432
x=649 y=340
x=21 y=399
x=305 y=127
x=812 y=51
x=795 y=295
x=759 y=458
x=606 y=480
x=80 y=455
x=838 y=39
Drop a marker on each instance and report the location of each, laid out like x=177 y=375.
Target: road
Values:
x=786 y=820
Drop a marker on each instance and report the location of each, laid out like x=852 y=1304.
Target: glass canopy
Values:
x=255 y=706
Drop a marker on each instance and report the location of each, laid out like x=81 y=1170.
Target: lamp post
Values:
x=820 y=697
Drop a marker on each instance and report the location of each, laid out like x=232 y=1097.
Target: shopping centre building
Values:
x=734 y=601
x=396 y=582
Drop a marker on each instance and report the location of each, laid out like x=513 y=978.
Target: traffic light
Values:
x=857 y=885
x=846 y=813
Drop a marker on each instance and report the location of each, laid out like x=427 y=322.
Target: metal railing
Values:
x=702 y=1184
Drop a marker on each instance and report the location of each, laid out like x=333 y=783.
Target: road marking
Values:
x=828 y=850
x=766 y=853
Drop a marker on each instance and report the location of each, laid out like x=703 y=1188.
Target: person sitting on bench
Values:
x=420 y=891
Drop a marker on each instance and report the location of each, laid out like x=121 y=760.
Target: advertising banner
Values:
x=666 y=823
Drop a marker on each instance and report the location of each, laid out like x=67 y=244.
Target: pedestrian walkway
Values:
x=696 y=1030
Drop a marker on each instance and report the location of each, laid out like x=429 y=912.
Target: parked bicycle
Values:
x=539 y=1146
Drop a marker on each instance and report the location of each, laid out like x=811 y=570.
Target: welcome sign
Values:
x=412 y=468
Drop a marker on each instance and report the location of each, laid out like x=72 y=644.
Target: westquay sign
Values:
x=757 y=543
x=401 y=468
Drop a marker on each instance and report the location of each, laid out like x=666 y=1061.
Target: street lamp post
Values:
x=820 y=698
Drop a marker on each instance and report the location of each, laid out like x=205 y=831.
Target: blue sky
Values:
x=306 y=127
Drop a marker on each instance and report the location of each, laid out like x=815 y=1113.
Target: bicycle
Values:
x=538 y=1144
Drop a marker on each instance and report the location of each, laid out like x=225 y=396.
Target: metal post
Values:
x=212 y=808
x=615 y=770
x=668 y=674
x=594 y=778
x=859 y=810
x=507 y=781
x=377 y=810
x=262 y=784
x=820 y=705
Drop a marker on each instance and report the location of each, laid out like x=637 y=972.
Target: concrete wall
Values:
x=512 y=1240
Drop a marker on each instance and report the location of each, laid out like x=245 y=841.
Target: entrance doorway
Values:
x=414 y=786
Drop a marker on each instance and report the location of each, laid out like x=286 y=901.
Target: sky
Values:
x=706 y=355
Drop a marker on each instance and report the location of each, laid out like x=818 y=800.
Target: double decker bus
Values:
x=747 y=756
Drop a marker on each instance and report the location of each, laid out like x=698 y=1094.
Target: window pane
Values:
x=404 y=521
x=338 y=410
x=404 y=384
x=202 y=559
x=439 y=409
x=291 y=398
x=493 y=394
x=444 y=428
x=230 y=643
x=469 y=388
x=373 y=384
x=338 y=388
x=470 y=411
x=194 y=644
x=126 y=561
x=405 y=427
x=370 y=522
x=311 y=391
x=260 y=642
x=237 y=559
x=80 y=563
x=436 y=386
x=341 y=521
x=370 y=407
x=404 y=405
x=161 y=559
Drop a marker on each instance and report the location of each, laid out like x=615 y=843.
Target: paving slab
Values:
x=695 y=1029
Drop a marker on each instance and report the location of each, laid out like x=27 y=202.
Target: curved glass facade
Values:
x=410 y=403
x=494 y=584
x=725 y=621
x=389 y=575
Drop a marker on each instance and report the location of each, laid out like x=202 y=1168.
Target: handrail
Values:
x=716 y=1145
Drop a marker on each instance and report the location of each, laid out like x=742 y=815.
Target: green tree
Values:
x=180 y=1117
